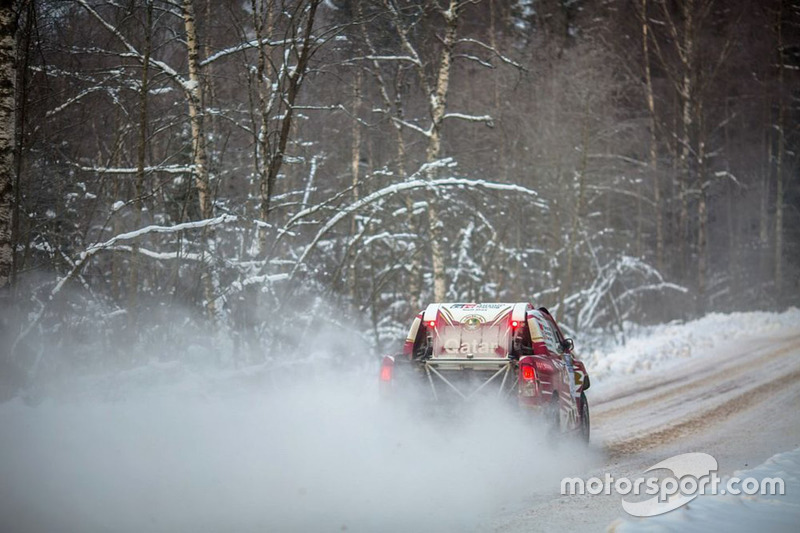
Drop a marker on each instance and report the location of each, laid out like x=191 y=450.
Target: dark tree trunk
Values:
x=8 y=123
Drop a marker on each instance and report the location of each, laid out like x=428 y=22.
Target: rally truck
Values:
x=464 y=352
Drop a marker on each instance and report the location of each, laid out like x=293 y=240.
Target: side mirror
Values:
x=568 y=345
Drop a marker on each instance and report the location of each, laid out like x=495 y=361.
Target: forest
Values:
x=238 y=177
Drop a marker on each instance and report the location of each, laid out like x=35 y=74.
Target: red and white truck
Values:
x=459 y=352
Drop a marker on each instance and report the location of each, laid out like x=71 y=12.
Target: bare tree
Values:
x=141 y=157
x=194 y=98
x=436 y=91
x=8 y=122
x=653 y=147
x=780 y=158
x=685 y=45
x=213 y=154
x=279 y=85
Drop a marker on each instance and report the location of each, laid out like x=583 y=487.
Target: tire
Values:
x=553 y=423
x=585 y=428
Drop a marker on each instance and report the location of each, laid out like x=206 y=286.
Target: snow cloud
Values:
x=309 y=447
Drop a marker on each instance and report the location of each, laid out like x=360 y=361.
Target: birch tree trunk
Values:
x=264 y=74
x=8 y=76
x=438 y=107
x=24 y=59
x=201 y=177
x=196 y=116
x=355 y=159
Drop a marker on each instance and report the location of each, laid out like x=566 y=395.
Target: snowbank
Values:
x=654 y=346
x=735 y=513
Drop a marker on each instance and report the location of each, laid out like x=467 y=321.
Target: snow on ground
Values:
x=182 y=447
x=733 y=514
x=655 y=346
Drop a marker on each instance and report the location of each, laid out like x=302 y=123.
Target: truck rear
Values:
x=466 y=352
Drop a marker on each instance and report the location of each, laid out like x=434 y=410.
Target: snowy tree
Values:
x=248 y=161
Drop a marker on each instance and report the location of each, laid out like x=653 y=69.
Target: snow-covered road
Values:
x=171 y=447
x=738 y=400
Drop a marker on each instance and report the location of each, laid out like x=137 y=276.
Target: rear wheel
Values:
x=585 y=421
x=553 y=421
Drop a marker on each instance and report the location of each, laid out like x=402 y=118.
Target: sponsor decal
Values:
x=453 y=346
x=472 y=322
x=477 y=306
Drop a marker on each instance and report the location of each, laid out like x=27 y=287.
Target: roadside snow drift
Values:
x=731 y=513
x=664 y=344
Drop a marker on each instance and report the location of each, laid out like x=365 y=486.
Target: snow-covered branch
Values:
x=487 y=119
x=191 y=256
x=476 y=59
x=262 y=279
x=623 y=158
x=168 y=169
x=426 y=133
x=158 y=229
x=409 y=185
x=132 y=52
x=492 y=49
x=240 y=48
x=73 y=100
x=408 y=59
x=625 y=270
x=84 y=257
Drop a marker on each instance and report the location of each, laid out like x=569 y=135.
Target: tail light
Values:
x=527 y=377
x=387 y=369
x=528 y=373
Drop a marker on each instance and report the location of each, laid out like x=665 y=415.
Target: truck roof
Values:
x=475 y=314
x=473 y=329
